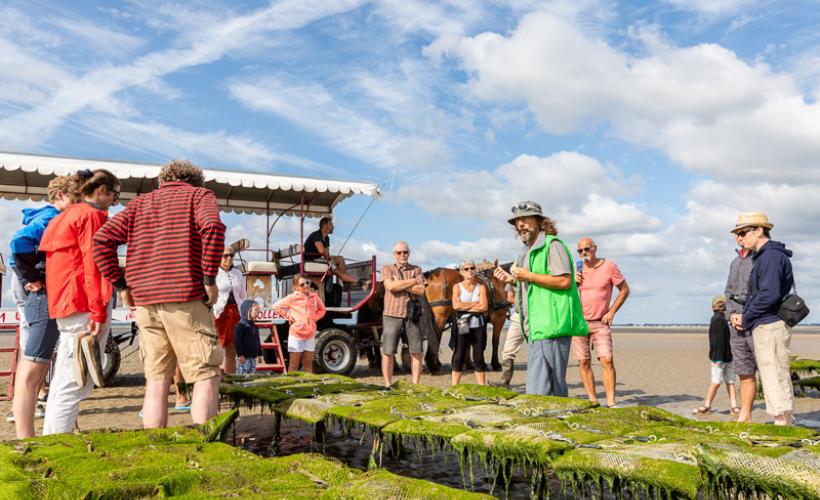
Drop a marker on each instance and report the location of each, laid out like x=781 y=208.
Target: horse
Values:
x=439 y=293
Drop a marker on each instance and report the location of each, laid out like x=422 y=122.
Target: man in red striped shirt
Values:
x=175 y=240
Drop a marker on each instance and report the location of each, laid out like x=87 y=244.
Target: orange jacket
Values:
x=303 y=312
x=73 y=281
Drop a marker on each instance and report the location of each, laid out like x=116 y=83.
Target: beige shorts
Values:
x=179 y=333
x=600 y=336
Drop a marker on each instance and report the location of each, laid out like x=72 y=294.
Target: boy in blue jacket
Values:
x=29 y=268
x=770 y=282
x=246 y=338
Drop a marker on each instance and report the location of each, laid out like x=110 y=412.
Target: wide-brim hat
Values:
x=525 y=208
x=752 y=219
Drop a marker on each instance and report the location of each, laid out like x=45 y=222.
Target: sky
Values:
x=646 y=125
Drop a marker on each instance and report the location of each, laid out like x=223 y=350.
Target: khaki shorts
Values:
x=179 y=333
x=600 y=336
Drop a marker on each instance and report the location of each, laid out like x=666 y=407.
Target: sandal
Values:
x=735 y=410
x=702 y=410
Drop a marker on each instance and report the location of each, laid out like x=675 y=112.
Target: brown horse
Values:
x=439 y=293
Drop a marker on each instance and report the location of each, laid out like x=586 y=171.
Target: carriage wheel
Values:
x=111 y=358
x=336 y=352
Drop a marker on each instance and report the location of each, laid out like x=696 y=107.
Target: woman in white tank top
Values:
x=470 y=303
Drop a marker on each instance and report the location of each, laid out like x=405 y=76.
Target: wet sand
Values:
x=657 y=368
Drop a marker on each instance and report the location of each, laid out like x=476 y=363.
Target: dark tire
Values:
x=336 y=352
x=111 y=358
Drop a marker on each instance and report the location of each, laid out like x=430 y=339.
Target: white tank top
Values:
x=473 y=296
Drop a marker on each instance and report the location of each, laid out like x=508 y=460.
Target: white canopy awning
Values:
x=25 y=177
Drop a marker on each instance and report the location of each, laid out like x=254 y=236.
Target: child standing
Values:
x=246 y=338
x=303 y=309
x=720 y=355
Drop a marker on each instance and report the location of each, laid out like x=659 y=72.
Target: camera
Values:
x=740 y=298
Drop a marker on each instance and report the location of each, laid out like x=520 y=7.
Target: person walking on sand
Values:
x=595 y=283
x=403 y=282
x=78 y=296
x=547 y=298
x=743 y=350
x=175 y=240
x=770 y=282
x=303 y=308
x=231 y=289
x=28 y=264
x=470 y=303
x=720 y=358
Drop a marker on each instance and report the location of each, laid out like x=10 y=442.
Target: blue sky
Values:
x=648 y=126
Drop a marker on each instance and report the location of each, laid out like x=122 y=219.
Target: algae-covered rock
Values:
x=805 y=366
x=378 y=413
x=622 y=421
x=381 y=484
x=473 y=392
x=533 y=405
x=276 y=390
x=802 y=385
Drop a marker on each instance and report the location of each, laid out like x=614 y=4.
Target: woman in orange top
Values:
x=303 y=309
x=78 y=296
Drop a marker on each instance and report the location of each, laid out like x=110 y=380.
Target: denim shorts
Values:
x=43 y=333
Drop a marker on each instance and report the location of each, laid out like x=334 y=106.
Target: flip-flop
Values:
x=185 y=407
x=735 y=410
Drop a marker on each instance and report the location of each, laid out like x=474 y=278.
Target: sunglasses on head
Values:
x=524 y=206
x=745 y=231
x=401 y=252
x=584 y=249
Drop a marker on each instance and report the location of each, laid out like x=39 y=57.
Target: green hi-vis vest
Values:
x=553 y=313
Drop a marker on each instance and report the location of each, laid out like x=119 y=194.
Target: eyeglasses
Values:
x=745 y=231
x=116 y=195
x=585 y=249
x=468 y=269
x=401 y=252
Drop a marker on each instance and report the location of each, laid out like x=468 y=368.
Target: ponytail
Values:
x=89 y=181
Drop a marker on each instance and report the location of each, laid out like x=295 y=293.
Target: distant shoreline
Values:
x=672 y=329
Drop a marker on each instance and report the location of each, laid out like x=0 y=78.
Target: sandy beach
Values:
x=662 y=367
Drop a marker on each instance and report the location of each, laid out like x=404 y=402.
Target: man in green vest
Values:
x=547 y=301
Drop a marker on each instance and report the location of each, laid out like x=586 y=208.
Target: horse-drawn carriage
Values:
x=349 y=325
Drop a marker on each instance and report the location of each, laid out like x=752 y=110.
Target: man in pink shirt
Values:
x=595 y=283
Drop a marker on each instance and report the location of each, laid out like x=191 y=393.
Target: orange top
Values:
x=303 y=313
x=73 y=281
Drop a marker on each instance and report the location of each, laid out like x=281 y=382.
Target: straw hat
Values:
x=754 y=219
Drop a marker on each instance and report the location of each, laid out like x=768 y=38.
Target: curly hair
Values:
x=182 y=171
x=545 y=224
x=69 y=185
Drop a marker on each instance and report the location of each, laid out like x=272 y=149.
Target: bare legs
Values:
x=415 y=367
x=341 y=270
x=182 y=390
x=205 y=403
x=30 y=376
x=304 y=358
x=387 y=369
x=748 y=390
x=229 y=364
x=588 y=378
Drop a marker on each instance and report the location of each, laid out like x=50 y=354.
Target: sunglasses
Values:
x=227 y=255
x=116 y=195
x=468 y=269
x=524 y=206
x=745 y=231
x=305 y=283
x=401 y=252
x=585 y=249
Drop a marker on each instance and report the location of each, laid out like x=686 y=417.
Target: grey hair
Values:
x=464 y=262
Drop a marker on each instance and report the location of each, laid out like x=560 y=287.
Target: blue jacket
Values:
x=771 y=280
x=27 y=262
x=246 y=333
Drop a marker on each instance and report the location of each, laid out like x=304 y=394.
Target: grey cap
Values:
x=525 y=209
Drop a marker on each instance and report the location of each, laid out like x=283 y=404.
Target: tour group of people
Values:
x=196 y=320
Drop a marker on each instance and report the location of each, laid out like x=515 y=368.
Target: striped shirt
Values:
x=175 y=241
x=395 y=303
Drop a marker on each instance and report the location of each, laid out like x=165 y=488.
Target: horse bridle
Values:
x=445 y=302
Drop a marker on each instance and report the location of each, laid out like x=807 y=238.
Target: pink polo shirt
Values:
x=596 y=292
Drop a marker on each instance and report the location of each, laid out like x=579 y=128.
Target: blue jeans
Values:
x=547 y=367
x=246 y=368
x=43 y=333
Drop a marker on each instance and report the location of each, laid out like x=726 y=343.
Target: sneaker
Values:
x=10 y=417
x=39 y=410
x=93 y=359
x=80 y=371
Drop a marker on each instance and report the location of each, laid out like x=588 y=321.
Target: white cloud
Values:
x=98 y=38
x=705 y=107
x=713 y=7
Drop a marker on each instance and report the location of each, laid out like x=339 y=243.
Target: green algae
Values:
x=475 y=392
x=380 y=484
x=622 y=421
x=805 y=366
x=531 y=405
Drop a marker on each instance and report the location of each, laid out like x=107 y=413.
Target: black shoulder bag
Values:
x=413 y=305
x=793 y=309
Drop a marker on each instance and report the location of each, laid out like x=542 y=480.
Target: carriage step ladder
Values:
x=14 y=351
x=280 y=366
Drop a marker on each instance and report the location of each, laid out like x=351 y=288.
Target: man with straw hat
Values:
x=770 y=282
x=547 y=301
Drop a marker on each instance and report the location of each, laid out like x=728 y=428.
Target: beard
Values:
x=525 y=235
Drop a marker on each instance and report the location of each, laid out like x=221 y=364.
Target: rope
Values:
x=356 y=226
